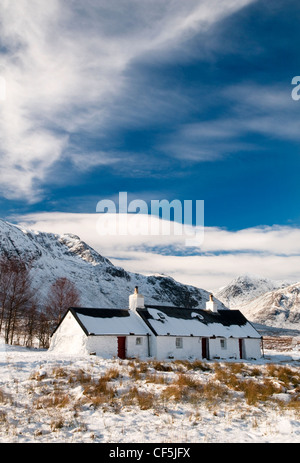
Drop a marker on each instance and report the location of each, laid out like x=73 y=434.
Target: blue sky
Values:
x=161 y=99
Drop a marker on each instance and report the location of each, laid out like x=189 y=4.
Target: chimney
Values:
x=136 y=300
x=211 y=304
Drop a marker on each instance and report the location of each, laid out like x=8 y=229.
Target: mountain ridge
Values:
x=264 y=301
x=100 y=283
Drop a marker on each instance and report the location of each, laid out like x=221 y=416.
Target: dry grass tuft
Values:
x=54 y=400
x=161 y=366
x=80 y=377
x=156 y=379
x=143 y=399
x=4 y=397
x=112 y=373
x=60 y=373
x=184 y=380
x=284 y=374
x=99 y=392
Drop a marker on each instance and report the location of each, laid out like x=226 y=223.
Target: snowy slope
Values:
x=45 y=399
x=279 y=308
x=245 y=288
x=264 y=301
x=100 y=283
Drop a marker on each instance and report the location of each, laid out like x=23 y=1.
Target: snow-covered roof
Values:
x=174 y=321
x=164 y=321
x=109 y=321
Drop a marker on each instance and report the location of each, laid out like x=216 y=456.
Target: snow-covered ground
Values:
x=46 y=397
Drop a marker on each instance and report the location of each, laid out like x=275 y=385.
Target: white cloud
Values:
x=66 y=63
x=272 y=252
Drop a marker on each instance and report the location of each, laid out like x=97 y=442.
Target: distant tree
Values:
x=29 y=324
x=16 y=294
x=62 y=295
x=43 y=329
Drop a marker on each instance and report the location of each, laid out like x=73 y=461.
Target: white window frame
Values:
x=139 y=341
x=179 y=343
x=223 y=343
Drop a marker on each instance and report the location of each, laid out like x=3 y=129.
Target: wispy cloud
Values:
x=68 y=64
x=253 y=109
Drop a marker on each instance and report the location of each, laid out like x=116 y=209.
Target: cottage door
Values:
x=122 y=347
x=241 y=347
x=204 y=348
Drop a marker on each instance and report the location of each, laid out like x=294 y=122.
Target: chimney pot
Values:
x=211 y=304
x=136 y=300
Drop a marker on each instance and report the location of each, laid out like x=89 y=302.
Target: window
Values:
x=223 y=343
x=139 y=341
x=179 y=343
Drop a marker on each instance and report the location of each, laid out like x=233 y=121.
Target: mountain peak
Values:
x=100 y=283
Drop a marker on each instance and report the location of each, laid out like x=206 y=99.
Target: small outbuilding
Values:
x=159 y=332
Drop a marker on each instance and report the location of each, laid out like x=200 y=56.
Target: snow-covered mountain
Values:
x=279 y=308
x=245 y=288
x=100 y=283
x=264 y=301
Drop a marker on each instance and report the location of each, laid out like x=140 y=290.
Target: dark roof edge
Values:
x=73 y=312
x=250 y=323
x=140 y=312
x=64 y=316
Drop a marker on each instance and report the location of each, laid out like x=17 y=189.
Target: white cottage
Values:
x=104 y=332
x=157 y=331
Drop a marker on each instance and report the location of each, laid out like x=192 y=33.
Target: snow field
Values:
x=45 y=397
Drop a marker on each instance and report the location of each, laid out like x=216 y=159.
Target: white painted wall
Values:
x=107 y=346
x=231 y=349
x=104 y=346
x=136 y=350
x=252 y=348
x=69 y=338
x=166 y=348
